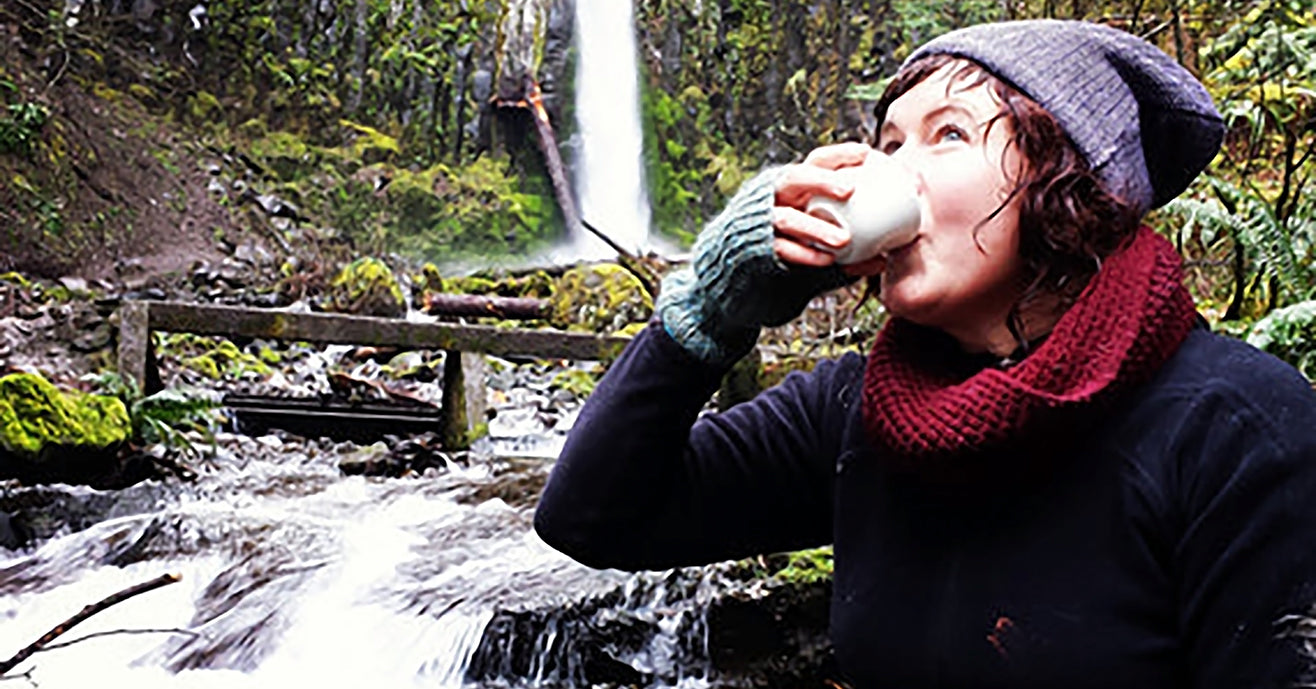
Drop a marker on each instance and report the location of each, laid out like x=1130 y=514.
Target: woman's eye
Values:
x=890 y=147
x=951 y=133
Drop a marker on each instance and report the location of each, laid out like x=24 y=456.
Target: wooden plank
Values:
x=327 y=328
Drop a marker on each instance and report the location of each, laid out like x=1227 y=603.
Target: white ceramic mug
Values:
x=882 y=214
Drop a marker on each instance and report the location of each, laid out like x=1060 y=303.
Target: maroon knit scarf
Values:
x=1127 y=322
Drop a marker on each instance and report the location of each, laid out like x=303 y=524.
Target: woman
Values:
x=1047 y=472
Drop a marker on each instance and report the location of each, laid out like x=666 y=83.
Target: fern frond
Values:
x=1290 y=334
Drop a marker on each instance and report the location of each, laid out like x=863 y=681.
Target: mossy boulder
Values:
x=37 y=418
x=367 y=287
x=215 y=358
x=604 y=297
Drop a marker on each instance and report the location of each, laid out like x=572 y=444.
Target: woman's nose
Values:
x=909 y=164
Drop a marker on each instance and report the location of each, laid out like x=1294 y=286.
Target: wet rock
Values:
x=412 y=456
x=516 y=481
x=253 y=254
x=93 y=340
x=74 y=284
x=277 y=207
x=37 y=513
x=659 y=630
x=13 y=534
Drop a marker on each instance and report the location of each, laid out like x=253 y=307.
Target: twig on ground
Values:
x=44 y=641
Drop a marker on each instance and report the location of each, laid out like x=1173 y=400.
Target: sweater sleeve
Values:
x=1246 y=509
x=645 y=482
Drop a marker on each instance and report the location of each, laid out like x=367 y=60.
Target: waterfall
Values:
x=609 y=178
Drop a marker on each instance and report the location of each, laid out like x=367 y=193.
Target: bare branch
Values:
x=82 y=615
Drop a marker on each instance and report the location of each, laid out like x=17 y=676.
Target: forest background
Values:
x=138 y=135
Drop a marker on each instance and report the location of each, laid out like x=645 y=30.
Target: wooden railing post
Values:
x=463 y=398
x=134 y=342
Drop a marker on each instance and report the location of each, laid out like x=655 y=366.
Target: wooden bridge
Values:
x=464 y=345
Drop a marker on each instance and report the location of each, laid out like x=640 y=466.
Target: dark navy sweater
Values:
x=1163 y=549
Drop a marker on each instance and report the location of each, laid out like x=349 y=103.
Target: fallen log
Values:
x=486 y=306
x=562 y=188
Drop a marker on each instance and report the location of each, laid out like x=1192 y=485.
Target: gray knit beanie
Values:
x=1146 y=126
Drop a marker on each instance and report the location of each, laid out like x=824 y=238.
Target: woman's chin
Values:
x=901 y=305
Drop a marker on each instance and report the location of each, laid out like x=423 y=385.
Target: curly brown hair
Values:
x=1068 y=221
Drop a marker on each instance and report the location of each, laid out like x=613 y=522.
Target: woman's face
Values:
x=962 y=273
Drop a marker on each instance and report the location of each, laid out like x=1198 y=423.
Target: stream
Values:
x=295 y=573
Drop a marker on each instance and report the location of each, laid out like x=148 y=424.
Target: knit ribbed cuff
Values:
x=684 y=311
x=736 y=283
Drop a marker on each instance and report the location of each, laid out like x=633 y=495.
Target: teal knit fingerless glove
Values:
x=736 y=284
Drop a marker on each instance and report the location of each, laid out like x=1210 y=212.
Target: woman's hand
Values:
x=756 y=264
x=798 y=234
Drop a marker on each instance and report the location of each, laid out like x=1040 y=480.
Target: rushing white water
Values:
x=292 y=575
x=609 y=175
x=295 y=574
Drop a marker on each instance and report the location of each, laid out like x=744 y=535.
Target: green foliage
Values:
x=1242 y=218
x=20 y=127
x=731 y=87
x=20 y=123
x=165 y=417
x=576 y=381
x=923 y=20
x=444 y=212
x=1290 y=334
x=1262 y=71
x=35 y=414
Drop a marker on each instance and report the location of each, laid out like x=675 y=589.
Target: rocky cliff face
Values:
x=734 y=85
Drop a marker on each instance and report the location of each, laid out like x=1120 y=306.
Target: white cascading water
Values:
x=609 y=175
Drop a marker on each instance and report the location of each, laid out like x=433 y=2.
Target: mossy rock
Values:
x=604 y=297
x=214 y=358
x=367 y=287
x=285 y=154
x=37 y=419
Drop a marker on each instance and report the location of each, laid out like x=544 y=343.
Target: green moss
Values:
x=285 y=153
x=269 y=356
x=16 y=279
x=442 y=212
x=212 y=358
x=204 y=107
x=428 y=280
x=807 y=566
x=576 y=381
x=35 y=414
x=367 y=286
x=369 y=146
x=599 y=298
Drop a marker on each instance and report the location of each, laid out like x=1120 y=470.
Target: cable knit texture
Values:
x=1129 y=320
x=736 y=284
x=1145 y=124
